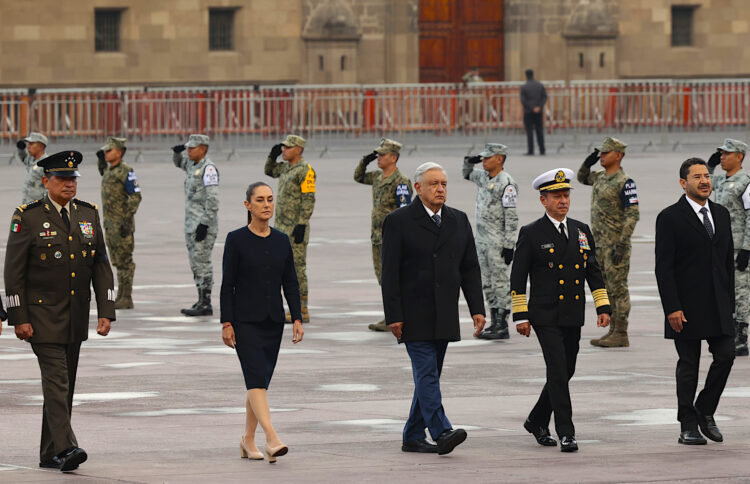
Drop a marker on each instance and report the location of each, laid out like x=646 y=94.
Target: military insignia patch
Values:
x=87 y=228
x=210 y=176
x=58 y=255
x=559 y=176
x=510 y=197
x=583 y=241
x=308 y=184
x=45 y=225
x=402 y=195
x=15 y=227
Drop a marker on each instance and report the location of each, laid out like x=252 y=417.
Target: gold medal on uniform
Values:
x=45 y=225
x=84 y=253
x=58 y=255
x=43 y=257
x=551 y=265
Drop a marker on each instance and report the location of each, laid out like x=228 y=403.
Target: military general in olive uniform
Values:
x=497 y=227
x=295 y=201
x=732 y=189
x=201 y=216
x=31 y=149
x=121 y=196
x=55 y=254
x=614 y=213
x=390 y=190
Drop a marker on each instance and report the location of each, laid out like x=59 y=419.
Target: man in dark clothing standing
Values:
x=533 y=98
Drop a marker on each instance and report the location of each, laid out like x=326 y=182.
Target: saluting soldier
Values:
x=295 y=201
x=201 y=216
x=121 y=196
x=558 y=254
x=732 y=189
x=497 y=226
x=55 y=254
x=30 y=150
x=614 y=213
x=390 y=190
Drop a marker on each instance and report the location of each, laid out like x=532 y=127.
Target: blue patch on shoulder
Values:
x=402 y=195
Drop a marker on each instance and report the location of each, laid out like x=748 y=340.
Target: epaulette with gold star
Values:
x=85 y=204
x=29 y=205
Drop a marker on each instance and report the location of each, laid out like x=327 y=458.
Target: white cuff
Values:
x=522 y=321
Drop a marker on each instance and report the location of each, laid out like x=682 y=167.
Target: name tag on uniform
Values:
x=548 y=246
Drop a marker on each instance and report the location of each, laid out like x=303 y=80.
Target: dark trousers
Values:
x=560 y=350
x=689 y=352
x=534 y=122
x=58 y=364
x=426 y=406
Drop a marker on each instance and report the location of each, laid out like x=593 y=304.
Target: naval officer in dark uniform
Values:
x=558 y=254
x=55 y=254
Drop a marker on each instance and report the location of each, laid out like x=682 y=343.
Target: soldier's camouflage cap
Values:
x=197 y=140
x=113 y=142
x=553 y=180
x=492 y=149
x=611 y=144
x=35 y=137
x=64 y=163
x=292 y=140
x=388 y=146
x=733 y=146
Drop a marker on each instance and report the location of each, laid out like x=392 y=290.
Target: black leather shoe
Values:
x=708 y=427
x=50 y=464
x=421 y=446
x=691 y=437
x=541 y=434
x=568 y=444
x=72 y=458
x=449 y=440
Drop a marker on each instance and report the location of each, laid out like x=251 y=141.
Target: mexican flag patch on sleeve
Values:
x=15 y=227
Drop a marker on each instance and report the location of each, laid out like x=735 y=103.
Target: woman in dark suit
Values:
x=258 y=264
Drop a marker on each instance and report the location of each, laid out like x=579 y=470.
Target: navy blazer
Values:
x=255 y=271
x=425 y=268
x=694 y=273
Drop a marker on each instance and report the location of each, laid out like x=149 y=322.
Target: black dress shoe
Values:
x=449 y=440
x=568 y=444
x=421 y=446
x=72 y=458
x=50 y=464
x=691 y=437
x=541 y=434
x=708 y=427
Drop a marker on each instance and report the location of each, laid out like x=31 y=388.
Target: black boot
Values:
x=502 y=323
x=491 y=332
x=204 y=308
x=740 y=339
x=194 y=306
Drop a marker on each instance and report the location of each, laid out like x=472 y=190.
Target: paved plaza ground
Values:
x=161 y=399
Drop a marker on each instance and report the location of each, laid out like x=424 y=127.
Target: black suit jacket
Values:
x=694 y=273
x=557 y=270
x=424 y=267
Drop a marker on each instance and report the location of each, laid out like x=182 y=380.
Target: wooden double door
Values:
x=456 y=35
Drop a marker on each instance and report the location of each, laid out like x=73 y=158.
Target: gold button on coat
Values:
x=72 y=256
x=562 y=282
x=72 y=293
x=562 y=297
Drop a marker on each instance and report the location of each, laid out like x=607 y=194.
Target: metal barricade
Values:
x=71 y=115
x=14 y=117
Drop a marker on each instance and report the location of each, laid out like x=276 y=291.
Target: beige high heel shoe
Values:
x=249 y=454
x=273 y=452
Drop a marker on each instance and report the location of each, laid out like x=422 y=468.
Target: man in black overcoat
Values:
x=428 y=257
x=695 y=275
x=558 y=254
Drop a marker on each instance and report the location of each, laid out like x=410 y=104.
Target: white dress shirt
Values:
x=697 y=208
x=431 y=213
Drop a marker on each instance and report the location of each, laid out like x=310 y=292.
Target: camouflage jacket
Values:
x=496 y=216
x=201 y=193
x=733 y=192
x=614 y=205
x=121 y=196
x=295 y=196
x=33 y=188
x=388 y=194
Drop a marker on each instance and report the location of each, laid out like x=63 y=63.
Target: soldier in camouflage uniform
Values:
x=201 y=216
x=121 y=196
x=295 y=201
x=614 y=213
x=30 y=150
x=497 y=228
x=390 y=190
x=732 y=190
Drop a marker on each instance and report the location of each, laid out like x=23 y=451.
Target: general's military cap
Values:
x=35 y=137
x=553 y=180
x=492 y=149
x=733 y=146
x=196 y=140
x=611 y=144
x=113 y=142
x=64 y=163
x=292 y=140
x=388 y=146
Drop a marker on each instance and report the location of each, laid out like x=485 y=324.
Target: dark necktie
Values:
x=707 y=223
x=64 y=215
x=562 y=231
x=436 y=219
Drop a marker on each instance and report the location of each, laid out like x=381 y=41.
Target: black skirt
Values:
x=257 y=346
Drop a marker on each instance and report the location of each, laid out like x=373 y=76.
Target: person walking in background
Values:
x=695 y=277
x=533 y=99
x=258 y=264
x=30 y=150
